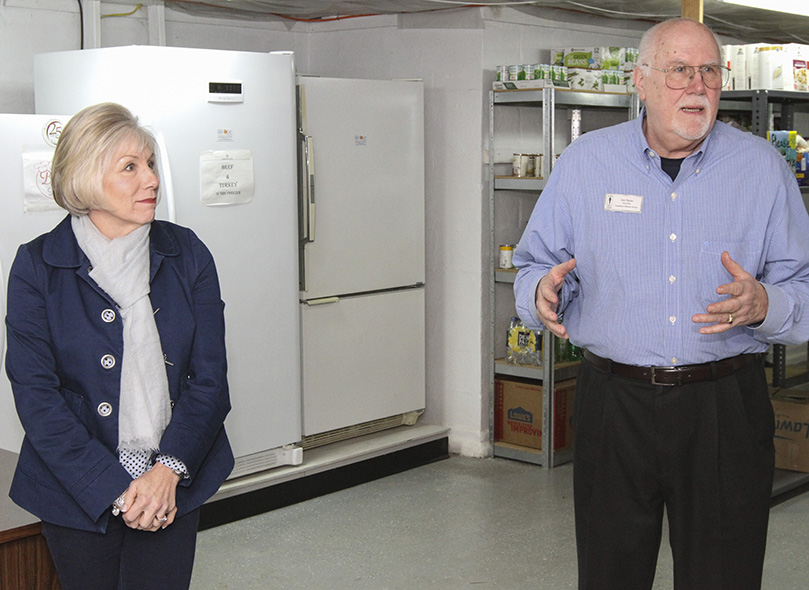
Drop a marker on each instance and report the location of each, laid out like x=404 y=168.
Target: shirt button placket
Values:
x=672 y=259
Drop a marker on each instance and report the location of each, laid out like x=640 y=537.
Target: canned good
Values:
x=523 y=165
x=559 y=74
x=537 y=171
x=528 y=71
x=514 y=73
x=507 y=256
x=502 y=73
x=538 y=75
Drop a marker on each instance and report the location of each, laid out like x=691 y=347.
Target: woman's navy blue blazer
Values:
x=64 y=352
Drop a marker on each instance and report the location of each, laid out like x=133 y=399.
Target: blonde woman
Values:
x=116 y=357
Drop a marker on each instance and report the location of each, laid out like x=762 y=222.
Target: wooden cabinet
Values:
x=25 y=563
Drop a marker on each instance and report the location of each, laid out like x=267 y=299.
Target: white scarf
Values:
x=121 y=269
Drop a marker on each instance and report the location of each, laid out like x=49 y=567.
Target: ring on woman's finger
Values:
x=164 y=519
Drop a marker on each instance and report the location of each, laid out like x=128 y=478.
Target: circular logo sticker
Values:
x=51 y=131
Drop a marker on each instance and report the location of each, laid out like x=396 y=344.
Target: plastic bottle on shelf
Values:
x=561 y=350
x=535 y=357
x=512 y=340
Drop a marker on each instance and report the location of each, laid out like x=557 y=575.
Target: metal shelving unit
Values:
x=546 y=99
x=764 y=105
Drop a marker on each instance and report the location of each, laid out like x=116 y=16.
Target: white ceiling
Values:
x=745 y=24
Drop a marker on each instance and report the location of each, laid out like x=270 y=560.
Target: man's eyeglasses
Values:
x=679 y=77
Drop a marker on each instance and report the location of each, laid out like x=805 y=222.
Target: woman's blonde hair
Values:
x=85 y=151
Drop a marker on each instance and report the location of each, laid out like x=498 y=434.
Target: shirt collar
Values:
x=648 y=152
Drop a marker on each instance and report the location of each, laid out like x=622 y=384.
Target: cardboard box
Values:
x=518 y=413
x=580 y=57
x=779 y=67
x=613 y=81
x=520 y=84
x=791 y=407
x=800 y=74
x=629 y=83
x=595 y=58
x=802 y=168
x=739 y=80
x=786 y=142
x=583 y=79
x=530 y=84
x=751 y=64
x=630 y=59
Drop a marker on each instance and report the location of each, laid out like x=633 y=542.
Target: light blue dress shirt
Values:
x=648 y=249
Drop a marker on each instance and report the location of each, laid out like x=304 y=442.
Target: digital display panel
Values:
x=225 y=87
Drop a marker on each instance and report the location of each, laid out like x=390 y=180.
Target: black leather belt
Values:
x=674 y=375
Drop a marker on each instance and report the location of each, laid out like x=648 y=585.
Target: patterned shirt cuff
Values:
x=174 y=464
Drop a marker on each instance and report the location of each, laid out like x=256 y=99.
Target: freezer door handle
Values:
x=321 y=301
x=2 y=314
x=308 y=189
x=165 y=180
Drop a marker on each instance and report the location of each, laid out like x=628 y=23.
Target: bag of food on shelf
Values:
x=523 y=345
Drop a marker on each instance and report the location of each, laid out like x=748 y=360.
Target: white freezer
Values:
x=232 y=104
x=29 y=139
x=362 y=251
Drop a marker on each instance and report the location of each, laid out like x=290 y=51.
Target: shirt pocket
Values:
x=713 y=273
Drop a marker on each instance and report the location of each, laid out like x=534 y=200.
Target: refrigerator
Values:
x=362 y=255
x=226 y=128
x=27 y=210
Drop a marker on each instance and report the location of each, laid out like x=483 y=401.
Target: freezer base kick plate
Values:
x=324 y=438
x=263 y=460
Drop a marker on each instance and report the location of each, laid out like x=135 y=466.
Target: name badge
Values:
x=623 y=203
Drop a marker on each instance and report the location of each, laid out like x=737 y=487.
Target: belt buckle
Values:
x=676 y=370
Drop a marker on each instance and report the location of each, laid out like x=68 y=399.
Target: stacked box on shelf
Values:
x=791 y=408
x=596 y=58
x=541 y=76
x=584 y=79
x=598 y=69
x=786 y=142
x=518 y=413
x=757 y=66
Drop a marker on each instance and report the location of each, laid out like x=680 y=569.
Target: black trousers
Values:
x=703 y=452
x=124 y=558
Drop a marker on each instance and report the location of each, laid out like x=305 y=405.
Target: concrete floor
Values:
x=456 y=524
